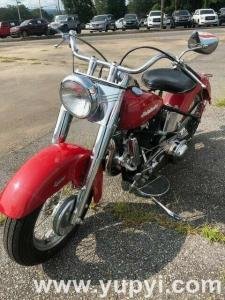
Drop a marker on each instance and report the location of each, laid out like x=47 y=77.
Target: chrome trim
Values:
x=107 y=127
x=90 y=87
x=92 y=66
x=62 y=126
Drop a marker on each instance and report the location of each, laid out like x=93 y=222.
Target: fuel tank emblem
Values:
x=149 y=111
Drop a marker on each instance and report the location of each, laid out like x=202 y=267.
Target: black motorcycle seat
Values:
x=168 y=80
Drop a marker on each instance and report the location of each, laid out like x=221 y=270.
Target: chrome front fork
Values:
x=62 y=126
x=103 y=138
x=105 y=133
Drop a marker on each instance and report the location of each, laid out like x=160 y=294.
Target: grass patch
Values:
x=133 y=216
x=8 y=59
x=213 y=234
x=2 y=219
x=220 y=103
x=33 y=59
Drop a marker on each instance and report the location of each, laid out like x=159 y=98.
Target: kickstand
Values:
x=167 y=210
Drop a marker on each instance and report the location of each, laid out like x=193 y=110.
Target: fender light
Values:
x=79 y=98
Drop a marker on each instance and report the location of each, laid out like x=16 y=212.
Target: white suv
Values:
x=205 y=17
x=154 y=19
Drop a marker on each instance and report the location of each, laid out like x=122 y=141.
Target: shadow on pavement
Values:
x=198 y=181
x=105 y=249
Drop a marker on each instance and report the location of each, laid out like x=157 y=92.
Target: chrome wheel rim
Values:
x=44 y=237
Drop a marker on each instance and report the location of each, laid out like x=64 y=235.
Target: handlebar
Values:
x=143 y=68
x=93 y=62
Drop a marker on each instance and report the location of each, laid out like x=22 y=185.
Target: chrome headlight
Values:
x=79 y=97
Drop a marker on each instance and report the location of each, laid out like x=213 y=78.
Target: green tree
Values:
x=140 y=7
x=10 y=13
x=84 y=8
x=101 y=6
x=36 y=14
x=116 y=7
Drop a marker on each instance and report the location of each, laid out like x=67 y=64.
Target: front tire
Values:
x=22 y=245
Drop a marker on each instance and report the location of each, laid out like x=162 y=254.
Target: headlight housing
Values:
x=79 y=97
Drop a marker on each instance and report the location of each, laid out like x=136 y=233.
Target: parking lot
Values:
x=106 y=249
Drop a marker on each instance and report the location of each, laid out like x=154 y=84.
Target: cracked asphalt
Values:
x=105 y=249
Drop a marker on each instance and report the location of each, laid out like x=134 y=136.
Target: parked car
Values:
x=65 y=23
x=205 y=17
x=142 y=22
x=4 y=29
x=30 y=27
x=119 y=23
x=168 y=20
x=131 y=22
x=103 y=23
x=221 y=16
x=181 y=18
x=14 y=23
x=87 y=26
x=145 y=22
x=154 y=19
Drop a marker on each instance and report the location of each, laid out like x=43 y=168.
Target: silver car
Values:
x=103 y=23
x=65 y=23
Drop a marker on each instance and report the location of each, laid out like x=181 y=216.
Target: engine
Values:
x=143 y=150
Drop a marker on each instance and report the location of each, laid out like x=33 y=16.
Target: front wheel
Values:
x=32 y=240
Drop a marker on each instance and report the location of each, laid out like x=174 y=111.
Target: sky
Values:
x=31 y=3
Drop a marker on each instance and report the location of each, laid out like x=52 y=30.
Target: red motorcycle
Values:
x=139 y=131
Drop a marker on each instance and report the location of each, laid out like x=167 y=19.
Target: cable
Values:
x=145 y=47
x=96 y=50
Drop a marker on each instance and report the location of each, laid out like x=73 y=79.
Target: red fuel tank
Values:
x=138 y=107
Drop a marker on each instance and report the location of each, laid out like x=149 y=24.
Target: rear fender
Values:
x=44 y=175
x=185 y=100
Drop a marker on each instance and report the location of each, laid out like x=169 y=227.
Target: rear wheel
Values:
x=33 y=239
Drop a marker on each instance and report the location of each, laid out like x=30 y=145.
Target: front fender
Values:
x=44 y=175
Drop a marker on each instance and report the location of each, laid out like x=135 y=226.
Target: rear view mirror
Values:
x=207 y=42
